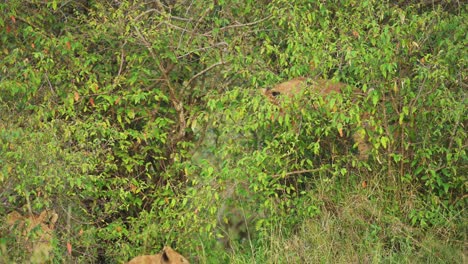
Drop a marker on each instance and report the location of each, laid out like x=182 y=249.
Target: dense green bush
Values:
x=141 y=123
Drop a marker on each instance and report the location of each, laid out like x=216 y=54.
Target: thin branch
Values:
x=146 y=43
x=161 y=13
x=146 y=12
x=122 y=55
x=186 y=26
x=295 y=172
x=246 y=24
x=178 y=106
x=50 y=84
x=179 y=28
x=35 y=27
x=196 y=25
x=203 y=49
x=204 y=71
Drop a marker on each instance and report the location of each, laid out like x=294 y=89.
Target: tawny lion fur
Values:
x=35 y=232
x=167 y=256
x=296 y=85
x=323 y=87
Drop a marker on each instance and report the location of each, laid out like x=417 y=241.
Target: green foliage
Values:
x=141 y=124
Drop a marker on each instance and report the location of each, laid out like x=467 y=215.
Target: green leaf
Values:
x=384 y=140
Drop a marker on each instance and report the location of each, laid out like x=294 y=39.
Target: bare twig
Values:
x=295 y=172
x=196 y=26
x=180 y=28
x=160 y=13
x=50 y=84
x=122 y=55
x=176 y=103
x=145 y=42
x=204 y=71
x=223 y=43
x=246 y=24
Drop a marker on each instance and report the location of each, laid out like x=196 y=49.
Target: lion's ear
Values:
x=52 y=219
x=165 y=257
x=165 y=254
x=13 y=217
x=264 y=91
x=42 y=216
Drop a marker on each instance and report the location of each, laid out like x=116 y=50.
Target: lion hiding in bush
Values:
x=323 y=88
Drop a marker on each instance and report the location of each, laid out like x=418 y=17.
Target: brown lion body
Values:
x=167 y=256
x=295 y=86
x=322 y=87
x=35 y=232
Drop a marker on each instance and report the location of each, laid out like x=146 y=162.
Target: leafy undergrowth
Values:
x=126 y=126
x=358 y=228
